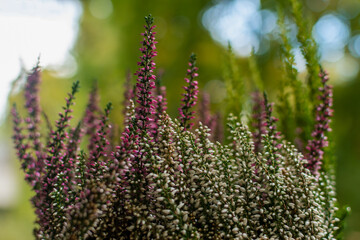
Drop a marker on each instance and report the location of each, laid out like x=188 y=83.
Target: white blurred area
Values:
x=29 y=29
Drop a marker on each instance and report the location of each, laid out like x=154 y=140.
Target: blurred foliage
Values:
x=108 y=48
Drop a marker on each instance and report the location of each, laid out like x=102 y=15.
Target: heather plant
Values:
x=174 y=178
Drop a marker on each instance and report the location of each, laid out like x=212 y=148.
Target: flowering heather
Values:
x=190 y=96
x=32 y=163
x=32 y=106
x=164 y=180
x=324 y=112
x=146 y=80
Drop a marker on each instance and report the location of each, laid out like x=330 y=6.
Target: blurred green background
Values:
x=107 y=46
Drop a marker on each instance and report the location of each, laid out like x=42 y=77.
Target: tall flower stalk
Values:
x=146 y=78
x=315 y=147
x=190 y=96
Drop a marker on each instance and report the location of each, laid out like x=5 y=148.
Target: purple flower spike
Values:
x=324 y=112
x=190 y=96
x=33 y=107
x=28 y=145
x=146 y=78
x=28 y=163
x=31 y=94
x=58 y=181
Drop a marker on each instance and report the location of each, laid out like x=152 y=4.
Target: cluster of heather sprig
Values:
x=163 y=181
x=190 y=96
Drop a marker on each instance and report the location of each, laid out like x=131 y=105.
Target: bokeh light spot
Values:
x=332 y=33
x=347 y=68
x=354 y=46
x=242 y=23
x=101 y=9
